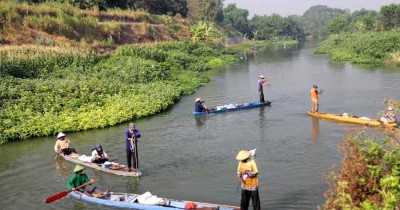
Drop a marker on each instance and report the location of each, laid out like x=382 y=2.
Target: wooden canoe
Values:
x=113 y=168
x=127 y=200
x=350 y=119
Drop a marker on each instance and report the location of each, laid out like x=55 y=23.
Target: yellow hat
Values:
x=197 y=99
x=78 y=168
x=243 y=155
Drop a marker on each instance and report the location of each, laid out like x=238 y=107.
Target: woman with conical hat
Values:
x=79 y=178
x=247 y=174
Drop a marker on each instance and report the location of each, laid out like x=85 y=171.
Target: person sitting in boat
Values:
x=79 y=178
x=198 y=106
x=99 y=155
x=62 y=145
x=389 y=116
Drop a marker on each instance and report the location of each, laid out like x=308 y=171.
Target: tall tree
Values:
x=390 y=16
x=364 y=20
x=204 y=9
x=336 y=25
x=236 y=18
x=315 y=18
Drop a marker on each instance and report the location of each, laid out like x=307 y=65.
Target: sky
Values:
x=298 y=7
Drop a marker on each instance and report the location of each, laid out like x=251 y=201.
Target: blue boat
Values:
x=128 y=200
x=231 y=107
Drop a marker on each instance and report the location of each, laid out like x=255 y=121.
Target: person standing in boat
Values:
x=62 y=145
x=79 y=178
x=261 y=83
x=99 y=155
x=247 y=174
x=314 y=93
x=198 y=105
x=389 y=116
x=131 y=136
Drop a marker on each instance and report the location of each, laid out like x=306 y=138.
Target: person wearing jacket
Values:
x=131 y=136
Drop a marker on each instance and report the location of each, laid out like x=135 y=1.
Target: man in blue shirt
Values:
x=198 y=106
x=261 y=83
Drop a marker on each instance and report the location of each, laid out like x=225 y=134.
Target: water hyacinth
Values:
x=49 y=89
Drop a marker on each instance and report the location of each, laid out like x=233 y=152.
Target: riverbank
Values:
x=363 y=48
x=62 y=24
x=46 y=90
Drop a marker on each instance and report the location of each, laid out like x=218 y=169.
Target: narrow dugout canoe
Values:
x=350 y=119
x=109 y=167
x=127 y=200
x=230 y=108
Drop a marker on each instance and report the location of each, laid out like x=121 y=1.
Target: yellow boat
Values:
x=350 y=119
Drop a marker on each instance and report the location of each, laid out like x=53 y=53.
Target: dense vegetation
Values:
x=365 y=36
x=369 y=177
x=45 y=90
x=162 y=7
x=369 y=47
x=62 y=24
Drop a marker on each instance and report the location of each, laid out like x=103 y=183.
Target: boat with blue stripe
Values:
x=129 y=200
x=233 y=107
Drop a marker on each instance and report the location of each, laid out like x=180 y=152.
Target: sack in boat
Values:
x=149 y=199
x=85 y=158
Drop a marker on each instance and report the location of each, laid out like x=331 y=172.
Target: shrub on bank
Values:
x=369 y=176
x=365 y=48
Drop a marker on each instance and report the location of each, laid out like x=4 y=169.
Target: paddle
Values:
x=61 y=194
x=136 y=158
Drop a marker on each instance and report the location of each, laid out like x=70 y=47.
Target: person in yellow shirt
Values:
x=247 y=174
x=62 y=145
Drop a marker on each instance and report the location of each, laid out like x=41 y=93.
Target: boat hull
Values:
x=122 y=171
x=169 y=203
x=237 y=108
x=350 y=119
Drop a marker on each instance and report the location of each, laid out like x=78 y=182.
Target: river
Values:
x=193 y=158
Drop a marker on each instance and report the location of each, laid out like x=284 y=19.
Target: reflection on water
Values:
x=62 y=166
x=200 y=121
x=315 y=128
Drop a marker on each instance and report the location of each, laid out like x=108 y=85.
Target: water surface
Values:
x=193 y=158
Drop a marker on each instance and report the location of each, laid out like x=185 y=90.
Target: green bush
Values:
x=48 y=90
x=366 y=48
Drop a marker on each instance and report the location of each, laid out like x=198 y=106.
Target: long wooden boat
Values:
x=231 y=107
x=129 y=200
x=109 y=167
x=350 y=119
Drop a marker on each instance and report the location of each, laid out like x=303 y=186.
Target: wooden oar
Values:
x=61 y=194
x=136 y=158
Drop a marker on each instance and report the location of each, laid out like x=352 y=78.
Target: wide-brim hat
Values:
x=78 y=168
x=261 y=76
x=243 y=155
x=60 y=135
x=197 y=99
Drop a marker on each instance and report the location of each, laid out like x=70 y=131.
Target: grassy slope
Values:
x=63 y=25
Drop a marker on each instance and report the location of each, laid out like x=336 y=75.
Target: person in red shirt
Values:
x=314 y=98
